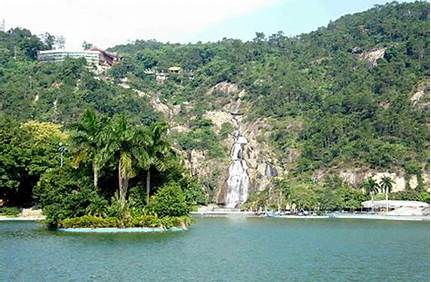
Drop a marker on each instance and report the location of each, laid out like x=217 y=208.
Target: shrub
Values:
x=63 y=193
x=172 y=221
x=146 y=221
x=117 y=208
x=89 y=221
x=10 y=211
x=226 y=129
x=169 y=201
x=410 y=195
x=137 y=198
x=193 y=192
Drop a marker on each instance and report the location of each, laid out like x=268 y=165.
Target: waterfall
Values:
x=238 y=181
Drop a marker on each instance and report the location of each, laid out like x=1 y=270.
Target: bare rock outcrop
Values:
x=356 y=176
x=218 y=118
x=225 y=88
x=231 y=108
x=418 y=98
x=372 y=56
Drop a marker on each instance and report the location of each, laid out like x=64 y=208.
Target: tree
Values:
x=372 y=188
x=60 y=42
x=127 y=144
x=386 y=184
x=26 y=152
x=86 y=45
x=87 y=144
x=157 y=151
x=48 y=40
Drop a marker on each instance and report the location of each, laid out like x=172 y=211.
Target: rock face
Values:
x=218 y=118
x=257 y=156
x=356 y=177
x=225 y=88
x=372 y=56
x=420 y=99
x=253 y=163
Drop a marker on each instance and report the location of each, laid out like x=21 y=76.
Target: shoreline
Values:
x=252 y=214
x=384 y=217
x=21 y=218
x=122 y=230
x=332 y=216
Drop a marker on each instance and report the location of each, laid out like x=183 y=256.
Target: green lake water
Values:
x=223 y=249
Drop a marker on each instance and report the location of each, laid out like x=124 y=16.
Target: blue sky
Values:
x=109 y=22
x=293 y=17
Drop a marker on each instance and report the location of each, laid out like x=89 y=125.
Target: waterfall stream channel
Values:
x=238 y=181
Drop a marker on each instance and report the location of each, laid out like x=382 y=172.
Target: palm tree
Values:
x=386 y=184
x=158 y=149
x=372 y=188
x=86 y=142
x=127 y=145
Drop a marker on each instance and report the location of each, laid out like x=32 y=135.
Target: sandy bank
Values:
x=22 y=218
x=29 y=214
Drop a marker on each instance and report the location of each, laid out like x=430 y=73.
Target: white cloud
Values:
x=106 y=23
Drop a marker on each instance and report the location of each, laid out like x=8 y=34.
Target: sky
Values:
x=106 y=23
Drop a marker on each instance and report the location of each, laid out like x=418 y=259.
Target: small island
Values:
x=111 y=173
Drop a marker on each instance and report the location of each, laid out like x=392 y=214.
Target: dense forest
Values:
x=352 y=109
x=353 y=93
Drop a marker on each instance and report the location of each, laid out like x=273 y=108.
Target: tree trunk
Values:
x=387 y=204
x=372 y=202
x=95 y=175
x=148 y=185
x=120 y=181
x=125 y=186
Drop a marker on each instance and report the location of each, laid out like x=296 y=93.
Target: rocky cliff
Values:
x=263 y=162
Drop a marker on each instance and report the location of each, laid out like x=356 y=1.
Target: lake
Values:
x=223 y=249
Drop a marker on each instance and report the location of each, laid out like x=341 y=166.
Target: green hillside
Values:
x=352 y=94
x=350 y=109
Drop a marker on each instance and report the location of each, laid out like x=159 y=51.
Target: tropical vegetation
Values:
x=352 y=94
x=103 y=151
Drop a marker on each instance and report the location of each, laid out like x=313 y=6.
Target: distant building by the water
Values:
x=93 y=56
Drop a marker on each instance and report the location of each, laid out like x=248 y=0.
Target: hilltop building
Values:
x=162 y=75
x=93 y=56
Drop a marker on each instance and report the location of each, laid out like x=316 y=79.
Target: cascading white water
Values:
x=238 y=181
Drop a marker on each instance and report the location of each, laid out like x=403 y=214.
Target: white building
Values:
x=92 y=57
